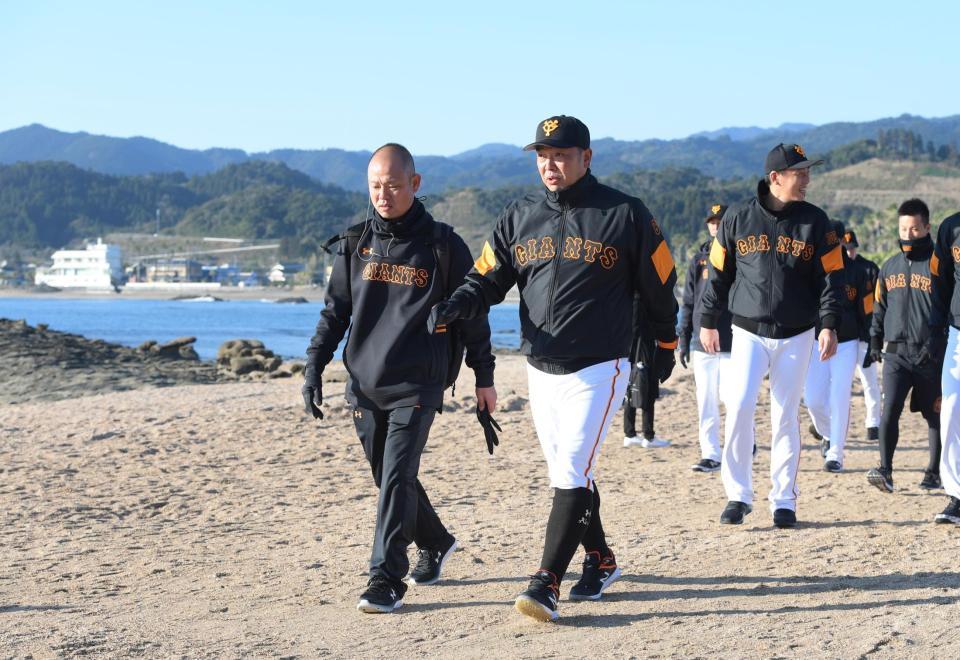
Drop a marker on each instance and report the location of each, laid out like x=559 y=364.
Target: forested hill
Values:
x=49 y=205
x=725 y=153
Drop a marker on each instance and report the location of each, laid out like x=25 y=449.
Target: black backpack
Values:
x=440 y=243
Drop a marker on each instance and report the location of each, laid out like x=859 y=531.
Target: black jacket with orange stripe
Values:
x=577 y=257
x=696 y=283
x=904 y=299
x=871 y=271
x=943 y=267
x=779 y=274
x=856 y=312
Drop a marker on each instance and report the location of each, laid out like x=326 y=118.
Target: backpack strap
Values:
x=441 y=252
x=352 y=236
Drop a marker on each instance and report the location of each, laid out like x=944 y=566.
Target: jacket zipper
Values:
x=551 y=301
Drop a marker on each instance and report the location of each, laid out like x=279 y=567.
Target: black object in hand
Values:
x=684 y=352
x=664 y=361
x=489 y=424
x=312 y=398
x=442 y=314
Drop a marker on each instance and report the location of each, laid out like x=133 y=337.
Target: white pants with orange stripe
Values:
x=950 y=416
x=572 y=413
x=753 y=357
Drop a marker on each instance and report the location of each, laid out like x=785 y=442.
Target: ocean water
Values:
x=285 y=329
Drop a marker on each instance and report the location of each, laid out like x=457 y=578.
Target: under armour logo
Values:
x=585 y=519
x=358 y=414
x=550 y=126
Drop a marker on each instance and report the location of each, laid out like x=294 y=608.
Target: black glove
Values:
x=869 y=358
x=684 y=349
x=933 y=350
x=663 y=362
x=442 y=314
x=312 y=398
x=875 y=355
x=489 y=423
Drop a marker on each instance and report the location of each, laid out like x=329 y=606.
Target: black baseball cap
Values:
x=716 y=212
x=840 y=229
x=787 y=157
x=850 y=238
x=561 y=131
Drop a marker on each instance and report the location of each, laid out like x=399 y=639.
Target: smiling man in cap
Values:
x=777 y=265
x=577 y=251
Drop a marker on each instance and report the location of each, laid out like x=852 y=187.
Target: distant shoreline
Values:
x=310 y=293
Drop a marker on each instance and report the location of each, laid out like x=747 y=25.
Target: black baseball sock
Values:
x=933 y=440
x=569 y=519
x=594 y=539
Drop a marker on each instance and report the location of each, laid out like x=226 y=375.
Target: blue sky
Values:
x=443 y=77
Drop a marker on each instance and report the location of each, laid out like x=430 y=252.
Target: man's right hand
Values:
x=442 y=314
x=312 y=398
x=710 y=340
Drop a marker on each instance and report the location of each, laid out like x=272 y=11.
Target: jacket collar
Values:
x=918 y=249
x=574 y=194
x=410 y=222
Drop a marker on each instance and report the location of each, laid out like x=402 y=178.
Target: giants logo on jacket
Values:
x=574 y=248
x=396 y=274
x=899 y=281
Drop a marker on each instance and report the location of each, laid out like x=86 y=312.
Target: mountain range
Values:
x=726 y=153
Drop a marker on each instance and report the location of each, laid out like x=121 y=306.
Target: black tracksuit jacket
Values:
x=383 y=291
x=690 y=311
x=577 y=257
x=779 y=274
x=904 y=301
x=943 y=267
x=857 y=308
x=871 y=272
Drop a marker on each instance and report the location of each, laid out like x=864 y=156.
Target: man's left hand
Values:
x=486 y=403
x=827 y=343
x=664 y=362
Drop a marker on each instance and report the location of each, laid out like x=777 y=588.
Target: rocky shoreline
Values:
x=41 y=364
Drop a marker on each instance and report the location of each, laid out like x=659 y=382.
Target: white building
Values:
x=98 y=267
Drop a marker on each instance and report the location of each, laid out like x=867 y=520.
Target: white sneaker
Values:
x=631 y=441
x=653 y=443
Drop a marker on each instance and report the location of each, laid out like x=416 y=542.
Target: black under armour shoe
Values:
x=383 y=595
x=882 y=478
x=540 y=599
x=598 y=574
x=430 y=563
x=951 y=514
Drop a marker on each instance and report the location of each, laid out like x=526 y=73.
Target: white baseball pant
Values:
x=709 y=371
x=827 y=395
x=950 y=416
x=871 y=386
x=572 y=413
x=786 y=360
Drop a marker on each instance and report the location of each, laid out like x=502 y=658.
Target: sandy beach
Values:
x=219 y=521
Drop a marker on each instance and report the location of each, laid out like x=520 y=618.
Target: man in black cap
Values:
x=777 y=265
x=709 y=369
x=577 y=251
x=866 y=367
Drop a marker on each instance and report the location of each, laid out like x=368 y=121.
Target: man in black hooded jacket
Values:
x=383 y=285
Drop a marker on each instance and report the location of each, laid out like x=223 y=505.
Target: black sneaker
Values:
x=873 y=433
x=882 y=478
x=706 y=465
x=430 y=563
x=598 y=574
x=784 y=518
x=734 y=512
x=383 y=595
x=931 y=480
x=951 y=514
x=539 y=601
x=832 y=466
x=813 y=432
